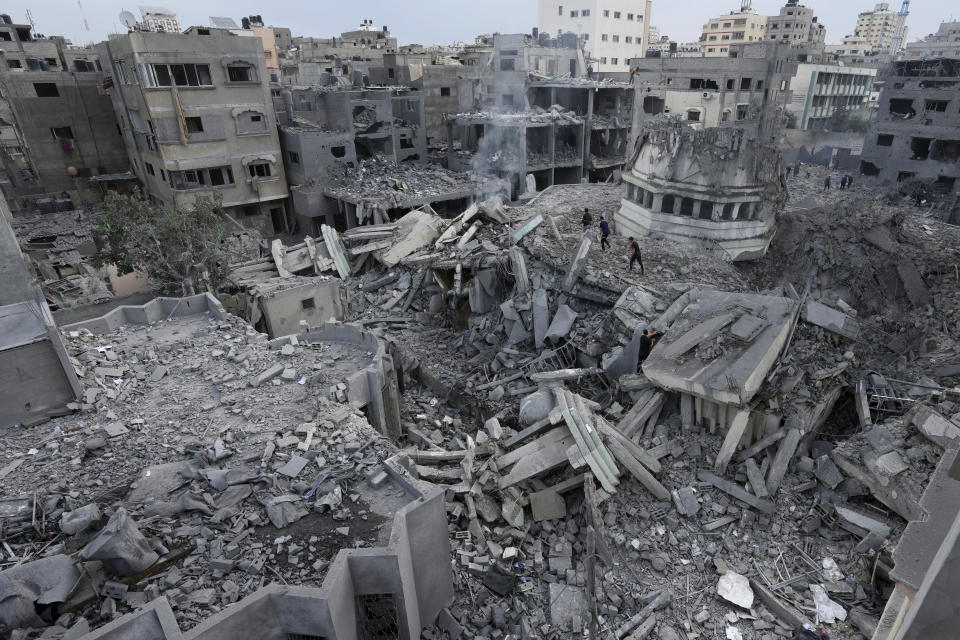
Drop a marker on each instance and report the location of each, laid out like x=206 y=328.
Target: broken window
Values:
x=903 y=176
x=653 y=105
x=936 y=105
x=46 y=89
x=444 y=92
x=745 y=84
x=5 y=35
x=703 y=83
x=731 y=83
x=902 y=107
x=194 y=124
x=61 y=132
x=239 y=73
x=506 y=64
x=150 y=170
x=742 y=110
x=706 y=210
x=294 y=157
x=507 y=99
x=220 y=176
x=869 y=169
x=693 y=115
x=686 y=206
x=884 y=140
x=666 y=205
x=946 y=150
x=13 y=64
x=920 y=148
x=259 y=170
x=308 y=303
x=338 y=152
x=180 y=75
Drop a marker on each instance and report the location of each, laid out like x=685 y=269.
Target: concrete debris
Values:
x=735 y=588
x=121 y=547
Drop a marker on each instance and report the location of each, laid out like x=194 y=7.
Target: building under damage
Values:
x=712 y=187
x=426 y=400
x=915 y=136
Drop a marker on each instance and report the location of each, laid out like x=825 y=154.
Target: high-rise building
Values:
x=198 y=118
x=878 y=28
x=734 y=28
x=611 y=31
x=158 y=19
x=796 y=25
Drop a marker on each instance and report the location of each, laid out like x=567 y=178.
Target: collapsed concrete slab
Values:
x=700 y=355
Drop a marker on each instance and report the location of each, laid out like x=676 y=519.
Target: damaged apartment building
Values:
x=357 y=155
x=704 y=170
x=537 y=121
x=916 y=135
x=59 y=130
x=311 y=61
x=198 y=118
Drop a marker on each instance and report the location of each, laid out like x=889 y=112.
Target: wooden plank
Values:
x=530 y=448
x=637 y=470
x=734 y=435
x=761 y=444
x=737 y=492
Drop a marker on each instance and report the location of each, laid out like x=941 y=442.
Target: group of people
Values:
x=605 y=242
x=846 y=182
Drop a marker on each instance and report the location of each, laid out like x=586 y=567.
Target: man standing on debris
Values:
x=826 y=183
x=647 y=342
x=604 y=232
x=635 y=254
x=587 y=219
x=849 y=182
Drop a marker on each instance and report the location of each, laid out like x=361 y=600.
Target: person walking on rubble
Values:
x=849 y=182
x=843 y=183
x=587 y=219
x=647 y=342
x=604 y=232
x=826 y=183
x=635 y=254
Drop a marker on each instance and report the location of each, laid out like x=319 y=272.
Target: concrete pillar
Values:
x=552 y=152
x=686 y=411
x=588 y=133
x=657 y=205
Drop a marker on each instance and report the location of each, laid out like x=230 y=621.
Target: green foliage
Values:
x=181 y=250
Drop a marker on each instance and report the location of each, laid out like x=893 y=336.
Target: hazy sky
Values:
x=436 y=21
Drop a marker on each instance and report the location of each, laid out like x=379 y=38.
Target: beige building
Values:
x=878 y=28
x=734 y=28
x=796 y=25
x=197 y=117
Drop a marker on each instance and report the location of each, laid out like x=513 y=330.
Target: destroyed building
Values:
x=305 y=59
x=63 y=131
x=915 y=135
x=747 y=90
x=197 y=118
x=714 y=187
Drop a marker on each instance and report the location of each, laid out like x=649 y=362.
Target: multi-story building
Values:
x=734 y=28
x=878 y=28
x=158 y=19
x=197 y=118
x=826 y=96
x=945 y=43
x=856 y=51
x=612 y=31
x=797 y=25
x=916 y=135
x=59 y=129
x=747 y=90
x=357 y=50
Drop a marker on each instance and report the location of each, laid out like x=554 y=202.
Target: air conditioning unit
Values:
x=707 y=95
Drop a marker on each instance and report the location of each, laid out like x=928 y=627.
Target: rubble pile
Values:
x=231 y=459
x=380 y=184
x=751 y=472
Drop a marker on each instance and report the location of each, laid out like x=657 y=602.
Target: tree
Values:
x=179 y=249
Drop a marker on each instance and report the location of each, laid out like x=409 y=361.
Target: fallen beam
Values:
x=765 y=506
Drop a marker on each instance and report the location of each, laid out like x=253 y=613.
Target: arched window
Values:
x=666 y=205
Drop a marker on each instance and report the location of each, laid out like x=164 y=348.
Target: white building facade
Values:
x=878 y=28
x=612 y=31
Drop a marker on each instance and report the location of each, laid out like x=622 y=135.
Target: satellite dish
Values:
x=128 y=19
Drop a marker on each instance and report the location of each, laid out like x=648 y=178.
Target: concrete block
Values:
x=547 y=505
x=267 y=375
